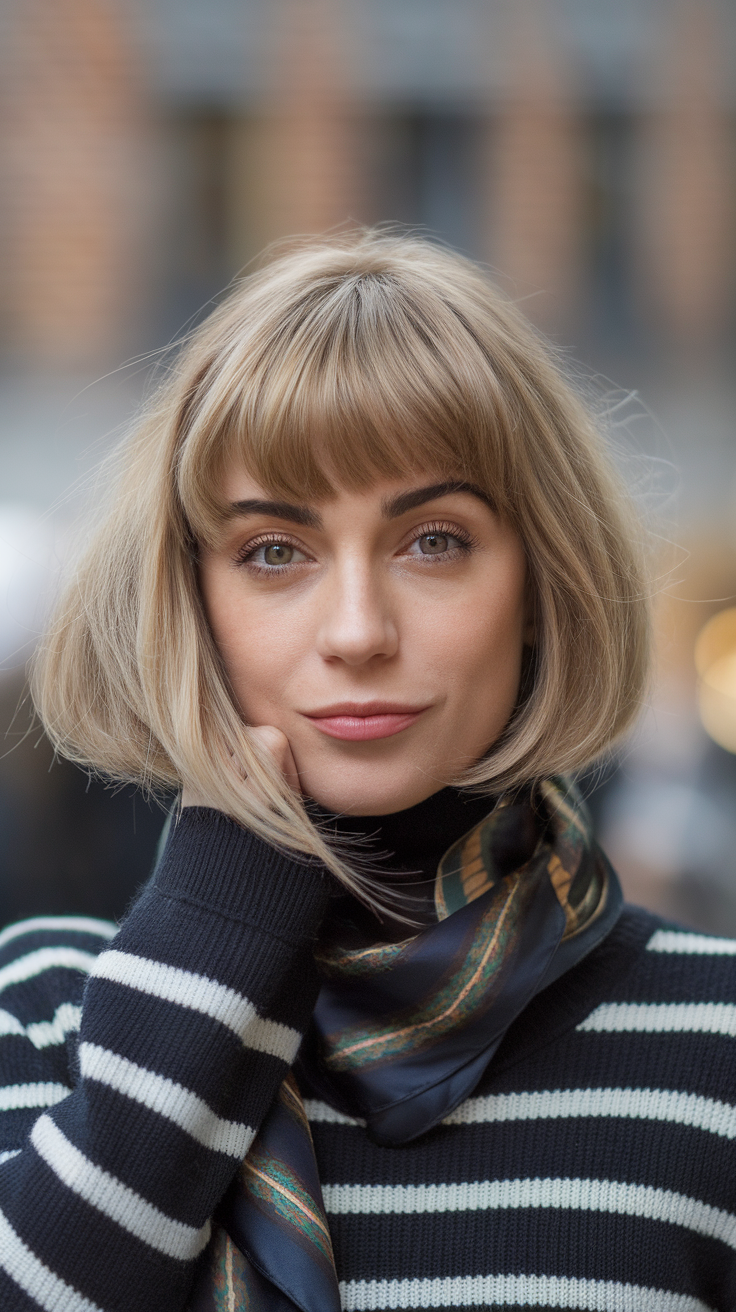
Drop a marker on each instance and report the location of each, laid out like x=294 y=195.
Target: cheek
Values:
x=488 y=656
x=235 y=637
x=257 y=645
x=480 y=628
x=478 y=645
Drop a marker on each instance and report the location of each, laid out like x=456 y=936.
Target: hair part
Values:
x=339 y=363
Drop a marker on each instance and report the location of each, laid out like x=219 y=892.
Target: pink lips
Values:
x=354 y=722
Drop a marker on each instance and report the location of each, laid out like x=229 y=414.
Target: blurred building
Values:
x=149 y=149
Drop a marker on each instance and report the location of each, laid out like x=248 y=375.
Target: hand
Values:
x=279 y=747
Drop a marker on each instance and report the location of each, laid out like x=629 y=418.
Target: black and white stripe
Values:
x=594 y=1167
x=136 y=1067
x=540 y=1291
x=606 y=1137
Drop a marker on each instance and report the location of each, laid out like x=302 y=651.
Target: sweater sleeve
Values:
x=112 y=1160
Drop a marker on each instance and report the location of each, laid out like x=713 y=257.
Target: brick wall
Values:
x=73 y=174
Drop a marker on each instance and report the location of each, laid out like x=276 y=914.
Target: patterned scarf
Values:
x=402 y=1033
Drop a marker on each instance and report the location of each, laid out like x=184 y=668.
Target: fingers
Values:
x=278 y=745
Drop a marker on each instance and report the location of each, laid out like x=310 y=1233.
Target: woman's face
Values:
x=381 y=631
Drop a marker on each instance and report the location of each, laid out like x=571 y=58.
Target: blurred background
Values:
x=584 y=149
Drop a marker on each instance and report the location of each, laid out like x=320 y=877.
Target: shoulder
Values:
x=653 y=1002
x=44 y=961
x=43 y=934
x=674 y=968
x=668 y=1021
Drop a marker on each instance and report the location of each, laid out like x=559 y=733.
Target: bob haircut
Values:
x=341 y=362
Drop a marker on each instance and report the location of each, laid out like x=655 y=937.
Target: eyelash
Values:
x=464 y=540
x=245 y=553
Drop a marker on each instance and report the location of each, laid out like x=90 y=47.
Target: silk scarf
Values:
x=402 y=1033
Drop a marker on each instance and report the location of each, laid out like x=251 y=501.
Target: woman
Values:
x=367 y=589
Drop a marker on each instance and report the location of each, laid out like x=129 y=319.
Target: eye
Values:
x=440 y=540
x=433 y=544
x=277 y=553
x=270 y=555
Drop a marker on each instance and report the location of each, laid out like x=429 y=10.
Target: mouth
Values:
x=363 y=722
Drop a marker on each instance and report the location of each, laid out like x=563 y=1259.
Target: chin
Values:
x=366 y=796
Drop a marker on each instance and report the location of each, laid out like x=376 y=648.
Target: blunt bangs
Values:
x=362 y=378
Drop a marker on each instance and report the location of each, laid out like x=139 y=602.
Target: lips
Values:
x=363 y=722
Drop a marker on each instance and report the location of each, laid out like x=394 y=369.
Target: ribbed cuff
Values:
x=211 y=860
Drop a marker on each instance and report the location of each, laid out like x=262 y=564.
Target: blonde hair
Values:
x=341 y=362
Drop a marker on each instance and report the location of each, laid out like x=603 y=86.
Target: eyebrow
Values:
x=278 y=510
x=391 y=508
x=405 y=501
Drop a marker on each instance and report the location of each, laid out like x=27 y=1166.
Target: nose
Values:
x=357 y=624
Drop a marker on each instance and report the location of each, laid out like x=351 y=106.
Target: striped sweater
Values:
x=594 y=1167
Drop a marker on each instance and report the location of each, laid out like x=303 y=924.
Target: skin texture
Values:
x=367 y=601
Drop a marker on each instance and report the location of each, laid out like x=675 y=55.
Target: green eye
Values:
x=278 y=553
x=434 y=544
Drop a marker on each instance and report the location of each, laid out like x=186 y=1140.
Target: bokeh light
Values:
x=715 y=660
